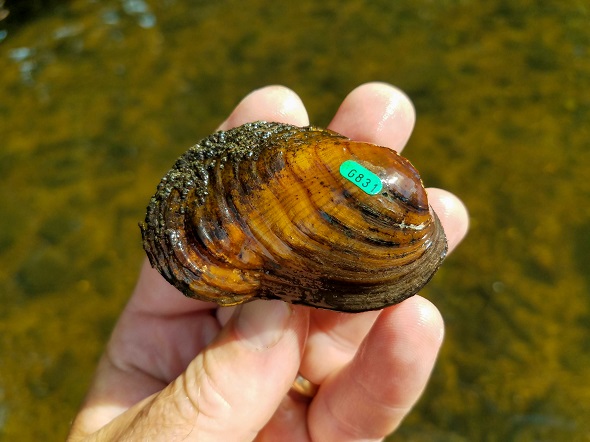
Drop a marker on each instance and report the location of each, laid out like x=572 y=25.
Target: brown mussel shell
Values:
x=301 y=214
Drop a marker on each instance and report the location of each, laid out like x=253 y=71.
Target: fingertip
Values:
x=262 y=323
x=452 y=213
x=377 y=113
x=415 y=326
x=426 y=318
x=369 y=397
x=274 y=103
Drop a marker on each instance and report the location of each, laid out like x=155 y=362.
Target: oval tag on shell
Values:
x=301 y=214
x=361 y=177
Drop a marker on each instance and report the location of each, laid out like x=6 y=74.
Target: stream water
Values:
x=97 y=99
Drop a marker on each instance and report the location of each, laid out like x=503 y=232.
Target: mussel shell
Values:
x=265 y=211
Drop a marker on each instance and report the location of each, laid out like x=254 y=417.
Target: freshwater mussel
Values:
x=302 y=214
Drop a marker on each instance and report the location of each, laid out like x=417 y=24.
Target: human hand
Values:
x=180 y=369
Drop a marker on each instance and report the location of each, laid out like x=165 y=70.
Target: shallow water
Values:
x=99 y=98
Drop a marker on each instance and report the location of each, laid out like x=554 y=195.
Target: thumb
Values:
x=232 y=388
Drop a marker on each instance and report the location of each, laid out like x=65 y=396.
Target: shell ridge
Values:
x=351 y=233
x=359 y=234
x=229 y=218
x=189 y=254
x=347 y=259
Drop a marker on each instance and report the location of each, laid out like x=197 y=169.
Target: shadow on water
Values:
x=99 y=98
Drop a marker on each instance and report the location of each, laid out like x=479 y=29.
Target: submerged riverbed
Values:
x=100 y=98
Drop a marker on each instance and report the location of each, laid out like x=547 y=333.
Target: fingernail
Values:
x=262 y=323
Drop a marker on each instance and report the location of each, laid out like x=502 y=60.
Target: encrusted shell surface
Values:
x=275 y=211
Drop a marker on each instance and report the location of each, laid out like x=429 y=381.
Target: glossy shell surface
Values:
x=302 y=214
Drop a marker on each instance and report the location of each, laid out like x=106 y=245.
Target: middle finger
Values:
x=376 y=113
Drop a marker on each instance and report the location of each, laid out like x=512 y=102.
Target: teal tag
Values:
x=361 y=177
